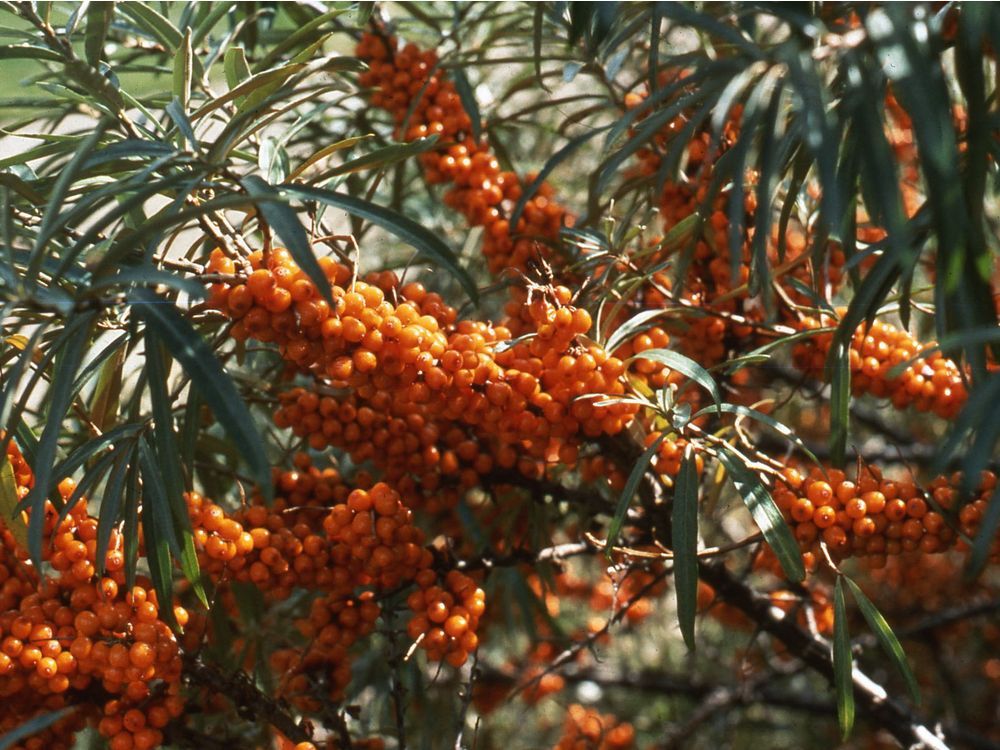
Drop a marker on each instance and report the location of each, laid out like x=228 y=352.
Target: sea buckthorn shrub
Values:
x=588 y=375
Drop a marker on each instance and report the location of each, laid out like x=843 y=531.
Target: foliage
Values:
x=651 y=360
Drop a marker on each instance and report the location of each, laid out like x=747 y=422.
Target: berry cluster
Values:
x=933 y=383
x=409 y=376
x=446 y=615
x=586 y=729
x=408 y=83
x=80 y=637
x=873 y=516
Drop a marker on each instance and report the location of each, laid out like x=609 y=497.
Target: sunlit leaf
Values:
x=285 y=222
x=684 y=528
x=207 y=375
x=886 y=638
x=628 y=492
x=10 y=516
x=427 y=244
x=843 y=662
x=765 y=514
x=685 y=366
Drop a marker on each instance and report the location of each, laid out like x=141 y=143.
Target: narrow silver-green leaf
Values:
x=685 y=366
x=182 y=70
x=73 y=344
x=207 y=375
x=32 y=727
x=283 y=220
x=684 y=531
x=158 y=531
x=28 y=52
x=236 y=66
x=886 y=638
x=843 y=662
x=382 y=157
x=782 y=429
x=111 y=504
x=154 y=24
x=468 y=99
x=99 y=17
x=420 y=238
x=765 y=514
x=628 y=492
x=248 y=86
x=304 y=34
x=840 y=400
x=169 y=464
x=631 y=327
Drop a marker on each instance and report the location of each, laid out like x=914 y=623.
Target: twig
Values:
x=467 y=698
x=871 y=697
x=249 y=701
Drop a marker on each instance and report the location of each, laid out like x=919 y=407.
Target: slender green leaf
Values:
x=468 y=99
x=130 y=518
x=330 y=148
x=283 y=220
x=33 y=726
x=84 y=453
x=170 y=469
x=986 y=536
x=212 y=17
x=111 y=503
x=10 y=516
x=628 y=492
x=306 y=34
x=73 y=344
x=13 y=377
x=183 y=71
x=843 y=662
x=158 y=530
x=631 y=327
x=152 y=23
x=886 y=638
x=139 y=276
x=782 y=429
x=54 y=208
x=536 y=34
x=207 y=375
x=840 y=400
x=685 y=366
x=765 y=514
x=379 y=158
x=28 y=52
x=249 y=86
x=236 y=66
x=684 y=529
x=99 y=17
x=421 y=239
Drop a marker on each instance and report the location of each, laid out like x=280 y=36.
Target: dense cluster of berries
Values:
x=423 y=102
x=446 y=615
x=931 y=383
x=587 y=729
x=80 y=637
x=873 y=516
x=321 y=671
x=912 y=585
x=407 y=84
x=517 y=403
